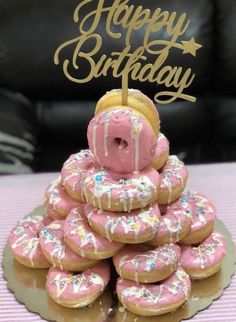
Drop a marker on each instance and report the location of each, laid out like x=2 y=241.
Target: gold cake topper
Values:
x=131 y=62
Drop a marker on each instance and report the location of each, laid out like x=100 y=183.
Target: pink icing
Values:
x=121 y=140
x=172 y=175
x=52 y=243
x=142 y=258
x=133 y=224
x=121 y=189
x=37 y=222
x=203 y=210
x=24 y=241
x=208 y=254
x=162 y=146
x=53 y=214
x=78 y=232
x=73 y=287
x=172 y=221
x=57 y=200
x=170 y=291
x=74 y=168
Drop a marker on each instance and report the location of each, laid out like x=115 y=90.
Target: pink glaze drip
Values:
x=121 y=140
x=24 y=241
x=208 y=254
x=56 y=199
x=123 y=189
x=203 y=210
x=77 y=230
x=162 y=146
x=52 y=242
x=143 y=258
x=170 y=291
x=73 y=170
x=134 y=224
x=72 y=287
x=172 y=221
x=173 y=174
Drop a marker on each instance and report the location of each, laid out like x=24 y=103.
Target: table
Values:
x=20 y=194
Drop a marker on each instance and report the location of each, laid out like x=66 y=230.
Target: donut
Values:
x=136 y=100
x=36 y=220
x=81 y=239
x=73 y=171
x=97 y=311
x=57 y=253
x=173 y=178
x=145 y=264
x=57 y=202
x=122 y=140
x=161 y=152
x=205 y=259
x=24 y=241
x=115 y=192
x=155 y=299
x=174 y=224
x=203 y=216
x=136 y=227
x=77 y=290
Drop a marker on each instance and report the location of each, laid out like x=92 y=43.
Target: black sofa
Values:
x=44 y=116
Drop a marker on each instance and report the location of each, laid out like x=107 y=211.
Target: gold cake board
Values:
x=28 y=286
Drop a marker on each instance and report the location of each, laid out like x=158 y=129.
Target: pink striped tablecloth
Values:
x=20 y=194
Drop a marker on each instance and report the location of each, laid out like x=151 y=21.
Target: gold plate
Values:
x=28 y=286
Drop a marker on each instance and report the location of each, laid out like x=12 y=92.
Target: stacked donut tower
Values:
x=122 y=199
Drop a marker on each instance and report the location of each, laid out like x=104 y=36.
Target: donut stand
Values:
x=118 y=238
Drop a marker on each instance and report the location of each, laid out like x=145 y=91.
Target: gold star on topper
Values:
x=190 y=47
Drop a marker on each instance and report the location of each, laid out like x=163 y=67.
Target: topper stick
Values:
x=124 y=89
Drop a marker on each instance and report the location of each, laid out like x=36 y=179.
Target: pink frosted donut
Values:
x=83 y=241
x=73 y=171
x=161 y=152
x=174 y=224
x=115 y=192
x=98 y=311
x=204 y=260
x=135 y=227
x=173 y=178
x=145 y=264
x=155 y=299
x=57 y=253
x=36 y=221
x=122 y=140
x=77 y=290
x=203 y=216
x=24 y=241
x=57 y=201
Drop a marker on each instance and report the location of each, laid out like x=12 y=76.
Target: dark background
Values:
x=44 y=116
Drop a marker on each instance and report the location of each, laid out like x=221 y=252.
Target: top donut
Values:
x=122 y=138
x=136 y=100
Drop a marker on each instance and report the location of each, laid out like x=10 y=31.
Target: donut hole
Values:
x=120 y=143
